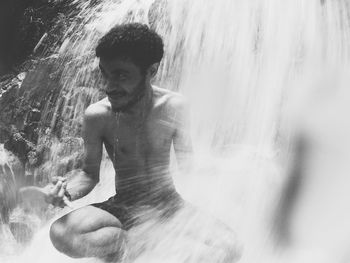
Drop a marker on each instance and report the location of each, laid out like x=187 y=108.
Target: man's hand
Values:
x=54 y=193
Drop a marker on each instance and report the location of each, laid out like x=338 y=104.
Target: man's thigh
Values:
x=208 y=234
x=88 y=219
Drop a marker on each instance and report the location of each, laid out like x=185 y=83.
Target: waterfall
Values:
x=244 y=67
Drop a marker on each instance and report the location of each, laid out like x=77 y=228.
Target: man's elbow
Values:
x=92 y=177
x=88 y=178
x=95 y=181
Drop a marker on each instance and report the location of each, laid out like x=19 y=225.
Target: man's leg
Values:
x=88 y=232
x=210 y=236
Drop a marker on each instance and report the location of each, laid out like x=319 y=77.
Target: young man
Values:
x=137 y=123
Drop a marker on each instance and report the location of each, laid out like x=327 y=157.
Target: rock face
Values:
x=26 y=23
x=10 y=12
x=28 y=110
x=21 y=105
x=34 y=28
x=21 y=102
x=30 y=31
x=32 y=145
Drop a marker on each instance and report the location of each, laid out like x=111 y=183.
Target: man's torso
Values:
x=138 y=143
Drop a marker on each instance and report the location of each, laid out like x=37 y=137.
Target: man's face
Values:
x=124 y=81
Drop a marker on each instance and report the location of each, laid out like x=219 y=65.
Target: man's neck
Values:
x=142 y=104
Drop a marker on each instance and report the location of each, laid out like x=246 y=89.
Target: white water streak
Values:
x=241 y=64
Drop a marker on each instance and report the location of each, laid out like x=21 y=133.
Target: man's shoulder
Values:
x=169 y=99
x=98 y=109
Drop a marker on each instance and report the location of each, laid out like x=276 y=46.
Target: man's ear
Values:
x=153 y=69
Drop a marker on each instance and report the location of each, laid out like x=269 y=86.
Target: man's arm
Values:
x=82 y=181
x=182 y=137
x=79 y=182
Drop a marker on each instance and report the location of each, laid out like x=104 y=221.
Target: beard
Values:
x=133 y=98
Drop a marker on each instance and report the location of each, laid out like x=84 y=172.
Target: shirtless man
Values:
x=137 y=123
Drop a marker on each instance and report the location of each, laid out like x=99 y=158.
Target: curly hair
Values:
x=133 y=41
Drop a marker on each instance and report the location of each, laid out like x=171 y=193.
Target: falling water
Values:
x=242 y=65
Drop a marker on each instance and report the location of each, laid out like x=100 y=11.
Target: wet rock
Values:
x=18 y=145
x=25 y=97
x=10 y=114
x=31 y=103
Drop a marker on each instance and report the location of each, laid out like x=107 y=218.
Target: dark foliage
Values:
x=31 y=28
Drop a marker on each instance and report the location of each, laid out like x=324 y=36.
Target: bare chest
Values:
x=138 y=141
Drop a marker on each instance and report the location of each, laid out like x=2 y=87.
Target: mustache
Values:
x=116 y=93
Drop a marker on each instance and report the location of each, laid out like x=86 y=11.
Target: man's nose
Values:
x=110 y=84
x=113 y=86
x=106 y=86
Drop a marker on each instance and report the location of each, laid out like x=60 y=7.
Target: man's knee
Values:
x=72 y=233
x=60 y=236
x=64 y=229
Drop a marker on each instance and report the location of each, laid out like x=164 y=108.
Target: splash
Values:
x=242 y=65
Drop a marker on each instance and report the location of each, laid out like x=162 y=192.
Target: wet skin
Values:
x=138 y=123
x=137 y=132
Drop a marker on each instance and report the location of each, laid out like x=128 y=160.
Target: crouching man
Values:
x=137 y=123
